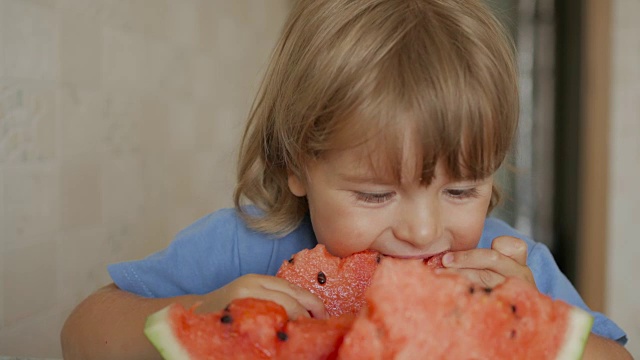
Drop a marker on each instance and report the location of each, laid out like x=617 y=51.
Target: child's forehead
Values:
x=398 y=154
x=390 y=158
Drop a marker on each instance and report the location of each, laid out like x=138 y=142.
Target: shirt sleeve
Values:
x=203 y=257
x=551 y=281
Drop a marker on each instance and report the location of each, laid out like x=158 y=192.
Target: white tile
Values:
x=182 y=129
x=80 y=193
x=158 y=58
x=89 y=10
x=83 y=128
x=30 y=39
x=123 y=123
x=182 y=25
x=205 y=125
x=79 y=276
x=35 y=337
x=153 y=132
x=31 y=203
x=29 y=281
x=120 y=15
x=27 y=122
x=228 y=127
x=80 y=49
x=3 y=236
x=122 y=190
x=123 y=60
x=211 y=81
x=169 y=67
x=206 y=24
x=147 y=18
x=2 y=31
x=128 y=241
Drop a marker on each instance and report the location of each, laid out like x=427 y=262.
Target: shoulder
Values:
x=538 y=254
x=264 y=253
x=494 y=228
x=223 y=221
x=256 y=252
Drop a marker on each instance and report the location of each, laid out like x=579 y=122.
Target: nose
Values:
x=419 y=223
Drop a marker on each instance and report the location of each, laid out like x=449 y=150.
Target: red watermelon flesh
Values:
x=339 y=282
x=447 y=317
x=435 y=262
x=408 y=312
x=247 y=329
x=314 y=339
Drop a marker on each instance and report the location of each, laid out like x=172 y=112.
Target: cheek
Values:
x=467 y=230
x=343 y=231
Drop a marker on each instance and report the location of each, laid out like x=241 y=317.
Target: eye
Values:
x=373 y=198
x=460 y=194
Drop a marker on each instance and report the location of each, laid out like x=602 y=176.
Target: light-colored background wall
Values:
x=118 y=127
x=623 y=269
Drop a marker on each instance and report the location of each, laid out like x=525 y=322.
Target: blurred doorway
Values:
x=540 y=178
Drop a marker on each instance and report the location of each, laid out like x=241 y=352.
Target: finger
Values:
x=512 y=247
x=481 y=277
x=293 y=308
x=310 y=302
x=483 y=259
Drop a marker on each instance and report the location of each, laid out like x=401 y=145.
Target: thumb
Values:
x=512 y=247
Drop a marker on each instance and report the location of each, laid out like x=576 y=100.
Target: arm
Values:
x=109 y=324
x=602 y=348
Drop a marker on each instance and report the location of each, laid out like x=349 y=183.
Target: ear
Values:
x=296 y=186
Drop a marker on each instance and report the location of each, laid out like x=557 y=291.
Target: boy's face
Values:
x=353 y=210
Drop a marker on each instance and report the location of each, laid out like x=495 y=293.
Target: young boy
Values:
x=379 y=126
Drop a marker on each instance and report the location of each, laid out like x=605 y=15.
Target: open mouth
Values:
x=435 y=261
x=432 y=261
x=425 y=258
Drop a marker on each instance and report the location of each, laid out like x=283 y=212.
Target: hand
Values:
x=490 y=267
x=296 y=300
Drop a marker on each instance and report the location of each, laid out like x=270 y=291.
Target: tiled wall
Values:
x=623 y=290
x=119 y=123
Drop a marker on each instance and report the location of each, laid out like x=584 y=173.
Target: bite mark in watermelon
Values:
x=339 y=282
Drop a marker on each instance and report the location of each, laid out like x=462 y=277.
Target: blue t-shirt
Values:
x=219 y=248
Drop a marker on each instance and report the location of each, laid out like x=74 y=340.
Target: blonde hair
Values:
x=346 y=71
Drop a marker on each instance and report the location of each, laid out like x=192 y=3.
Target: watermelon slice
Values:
x=339 y=283
x=407 y=311
x=246 y=329
x=450 y=318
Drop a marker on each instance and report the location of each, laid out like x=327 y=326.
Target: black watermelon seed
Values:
x=322 y=278
x=513 y=334
x=378 y=258
x=291 y=261
x=488 y=290
x=472 y=289
x=513 y=309
x=226 y=308
x=282 y=336
x=226 y=319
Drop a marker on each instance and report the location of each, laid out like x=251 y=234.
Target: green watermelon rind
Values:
x=159 y=331
x=578 y=330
